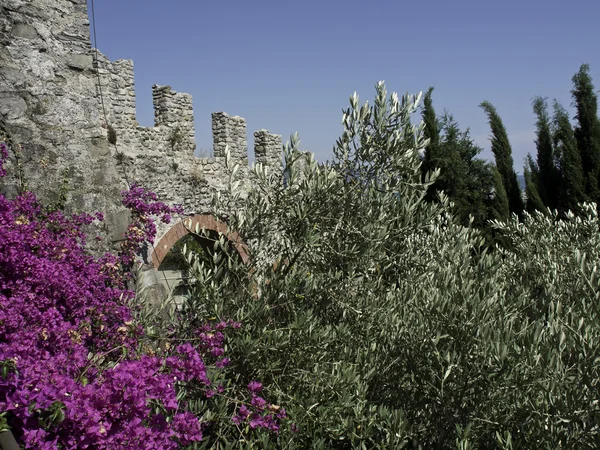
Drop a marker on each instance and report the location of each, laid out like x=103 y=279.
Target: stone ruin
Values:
x=50 y=83
x=55 y=91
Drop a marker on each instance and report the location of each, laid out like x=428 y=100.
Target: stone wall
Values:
x=59 y=98
x=267 y=149
x=48 y=102
x=55 y=92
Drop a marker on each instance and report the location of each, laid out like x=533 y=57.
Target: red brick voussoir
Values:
x=187 y=226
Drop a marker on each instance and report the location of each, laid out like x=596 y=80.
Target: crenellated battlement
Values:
x=267 y=148
x=230 y=132
x=170 y=106
x=173 y=129
x=116 y=92
x=59 y=97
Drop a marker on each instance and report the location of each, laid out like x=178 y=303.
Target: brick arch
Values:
x=185 y=227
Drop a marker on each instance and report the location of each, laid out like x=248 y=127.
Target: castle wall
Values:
x=55 y=91
x=230 y=132
x=118 y=92
x=59 y=98
x=48 y=102
x=267 y=149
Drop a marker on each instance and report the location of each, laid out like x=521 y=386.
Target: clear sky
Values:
x=291 y=66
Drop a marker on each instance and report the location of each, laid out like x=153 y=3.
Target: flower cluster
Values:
x=144 y=205
x=72 y=372
x=212 y=340
x=3 y=158
x=117 y=411
x=260 y=414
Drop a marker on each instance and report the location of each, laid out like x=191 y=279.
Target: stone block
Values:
x=24 y=31
x=99 y=147
x=12 y=106
x=154 y=295
x=79 y=62
x=117 y=223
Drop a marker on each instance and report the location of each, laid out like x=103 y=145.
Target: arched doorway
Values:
x=188 y=226
x=169 y=273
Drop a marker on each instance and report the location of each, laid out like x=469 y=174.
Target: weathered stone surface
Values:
x=267 y=149
x=25 y=133
x=12 y=105
x=79 y=62
x=52 y=104
x=117 y=222
x=24 y=31
x=154 y=295
x=99 y=147
x=13 y=5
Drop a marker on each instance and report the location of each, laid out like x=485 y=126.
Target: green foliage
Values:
x=465 y=179
x=176 y=137
x=112 y=135
x=499 y=209
x=3 y=422
x=175 y=257
x=533 y=185
x=378 y=321
x=587 y=131
x=552 y=270
x=572 y=187
x=547 y=178
x=16 y=155
x=432 y=133
x=504 y=160
x=432 y=125
x=63 y=194
x=567 y=167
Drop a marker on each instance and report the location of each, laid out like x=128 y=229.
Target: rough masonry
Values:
x=51 y=81
x=50 y=85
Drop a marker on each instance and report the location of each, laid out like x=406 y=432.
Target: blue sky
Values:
x=291 y=66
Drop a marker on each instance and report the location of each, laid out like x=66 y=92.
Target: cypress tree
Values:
x=572 y=180
x=466 y=180
x=431 y=132
x=547 y=177
x=532 y=186
x=504 y=160
x=587 y=131
x=499 y=208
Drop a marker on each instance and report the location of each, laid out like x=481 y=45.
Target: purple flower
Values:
x=70 y=347
x=57 y=306
x=258 y=402
x=254 y=386
x=222 y=363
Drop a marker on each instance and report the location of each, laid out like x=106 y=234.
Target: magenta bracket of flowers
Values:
x=71 y=371
x=262 y=414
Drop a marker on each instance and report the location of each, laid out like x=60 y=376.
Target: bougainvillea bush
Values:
x=77 y=369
